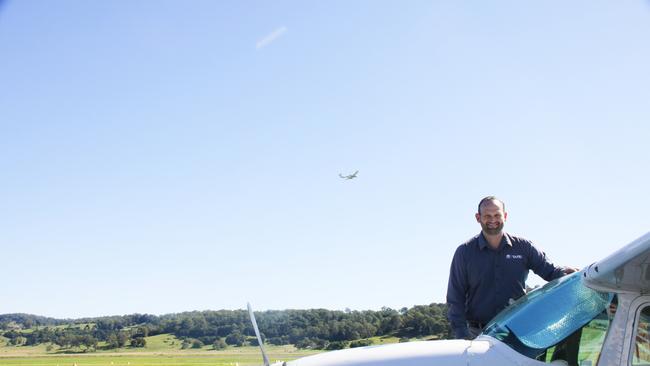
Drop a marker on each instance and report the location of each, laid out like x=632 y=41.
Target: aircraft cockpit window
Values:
x=641 y=352
x=564 y=320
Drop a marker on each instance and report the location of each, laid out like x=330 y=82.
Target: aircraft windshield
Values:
x=549 y=315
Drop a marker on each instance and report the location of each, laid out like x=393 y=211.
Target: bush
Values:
x=361 y=343
x=235 y=339
x=320 y=343
x=197 y=344
x=305 y=343
x=185 y=344
x=138 y=342
x=337 y=345
x=279 y=341
x=311 y=343
x=18 y=341
x=218 y=344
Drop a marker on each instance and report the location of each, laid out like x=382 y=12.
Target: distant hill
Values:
x=312 y=328
x=28 y=320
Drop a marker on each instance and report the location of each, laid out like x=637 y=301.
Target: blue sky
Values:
x=161 y=157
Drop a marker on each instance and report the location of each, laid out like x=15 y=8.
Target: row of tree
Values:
x=313 y=328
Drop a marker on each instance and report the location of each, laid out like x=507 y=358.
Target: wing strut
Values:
x=257 y=334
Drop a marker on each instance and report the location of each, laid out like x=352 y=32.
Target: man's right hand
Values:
x=569 y=270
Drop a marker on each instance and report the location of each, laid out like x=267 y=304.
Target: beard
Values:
x=492 y=230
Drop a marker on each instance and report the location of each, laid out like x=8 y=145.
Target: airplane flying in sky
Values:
x=351 y=176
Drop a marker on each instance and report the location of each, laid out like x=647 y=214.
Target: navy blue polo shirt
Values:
x=482 y=279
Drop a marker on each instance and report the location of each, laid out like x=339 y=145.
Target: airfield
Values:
x=161 y=350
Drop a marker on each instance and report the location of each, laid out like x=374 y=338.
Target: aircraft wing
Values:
x=626 y=270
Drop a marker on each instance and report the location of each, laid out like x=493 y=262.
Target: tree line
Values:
x=312 y=328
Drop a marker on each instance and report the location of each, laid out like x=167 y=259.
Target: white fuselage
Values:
x=483 y=351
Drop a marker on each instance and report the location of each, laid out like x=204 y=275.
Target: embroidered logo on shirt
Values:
x=514 y=256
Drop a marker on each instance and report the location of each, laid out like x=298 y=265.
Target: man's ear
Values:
x=478 y=217
x=505 y=216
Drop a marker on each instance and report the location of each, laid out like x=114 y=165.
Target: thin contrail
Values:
x=271 y=37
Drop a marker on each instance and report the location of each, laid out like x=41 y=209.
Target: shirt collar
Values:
x=483 y=243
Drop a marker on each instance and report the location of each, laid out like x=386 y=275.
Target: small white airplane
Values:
x=599 y=316
x=350 y=176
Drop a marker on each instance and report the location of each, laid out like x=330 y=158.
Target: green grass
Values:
x=162 y=342
x=160 y=360
x=161 y=350
x=215 y=358
x=9 y=350
x=383 y=340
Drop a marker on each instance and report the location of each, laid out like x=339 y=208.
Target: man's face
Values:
x=491 y=217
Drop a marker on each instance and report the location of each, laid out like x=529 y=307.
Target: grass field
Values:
x=222 y=358
x=243 y=356
x=161 y=350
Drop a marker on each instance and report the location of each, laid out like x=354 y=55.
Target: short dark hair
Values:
x=490 y=198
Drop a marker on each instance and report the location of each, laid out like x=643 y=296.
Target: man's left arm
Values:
x=543 y=267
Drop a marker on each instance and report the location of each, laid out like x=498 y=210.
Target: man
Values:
x=490 y=270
